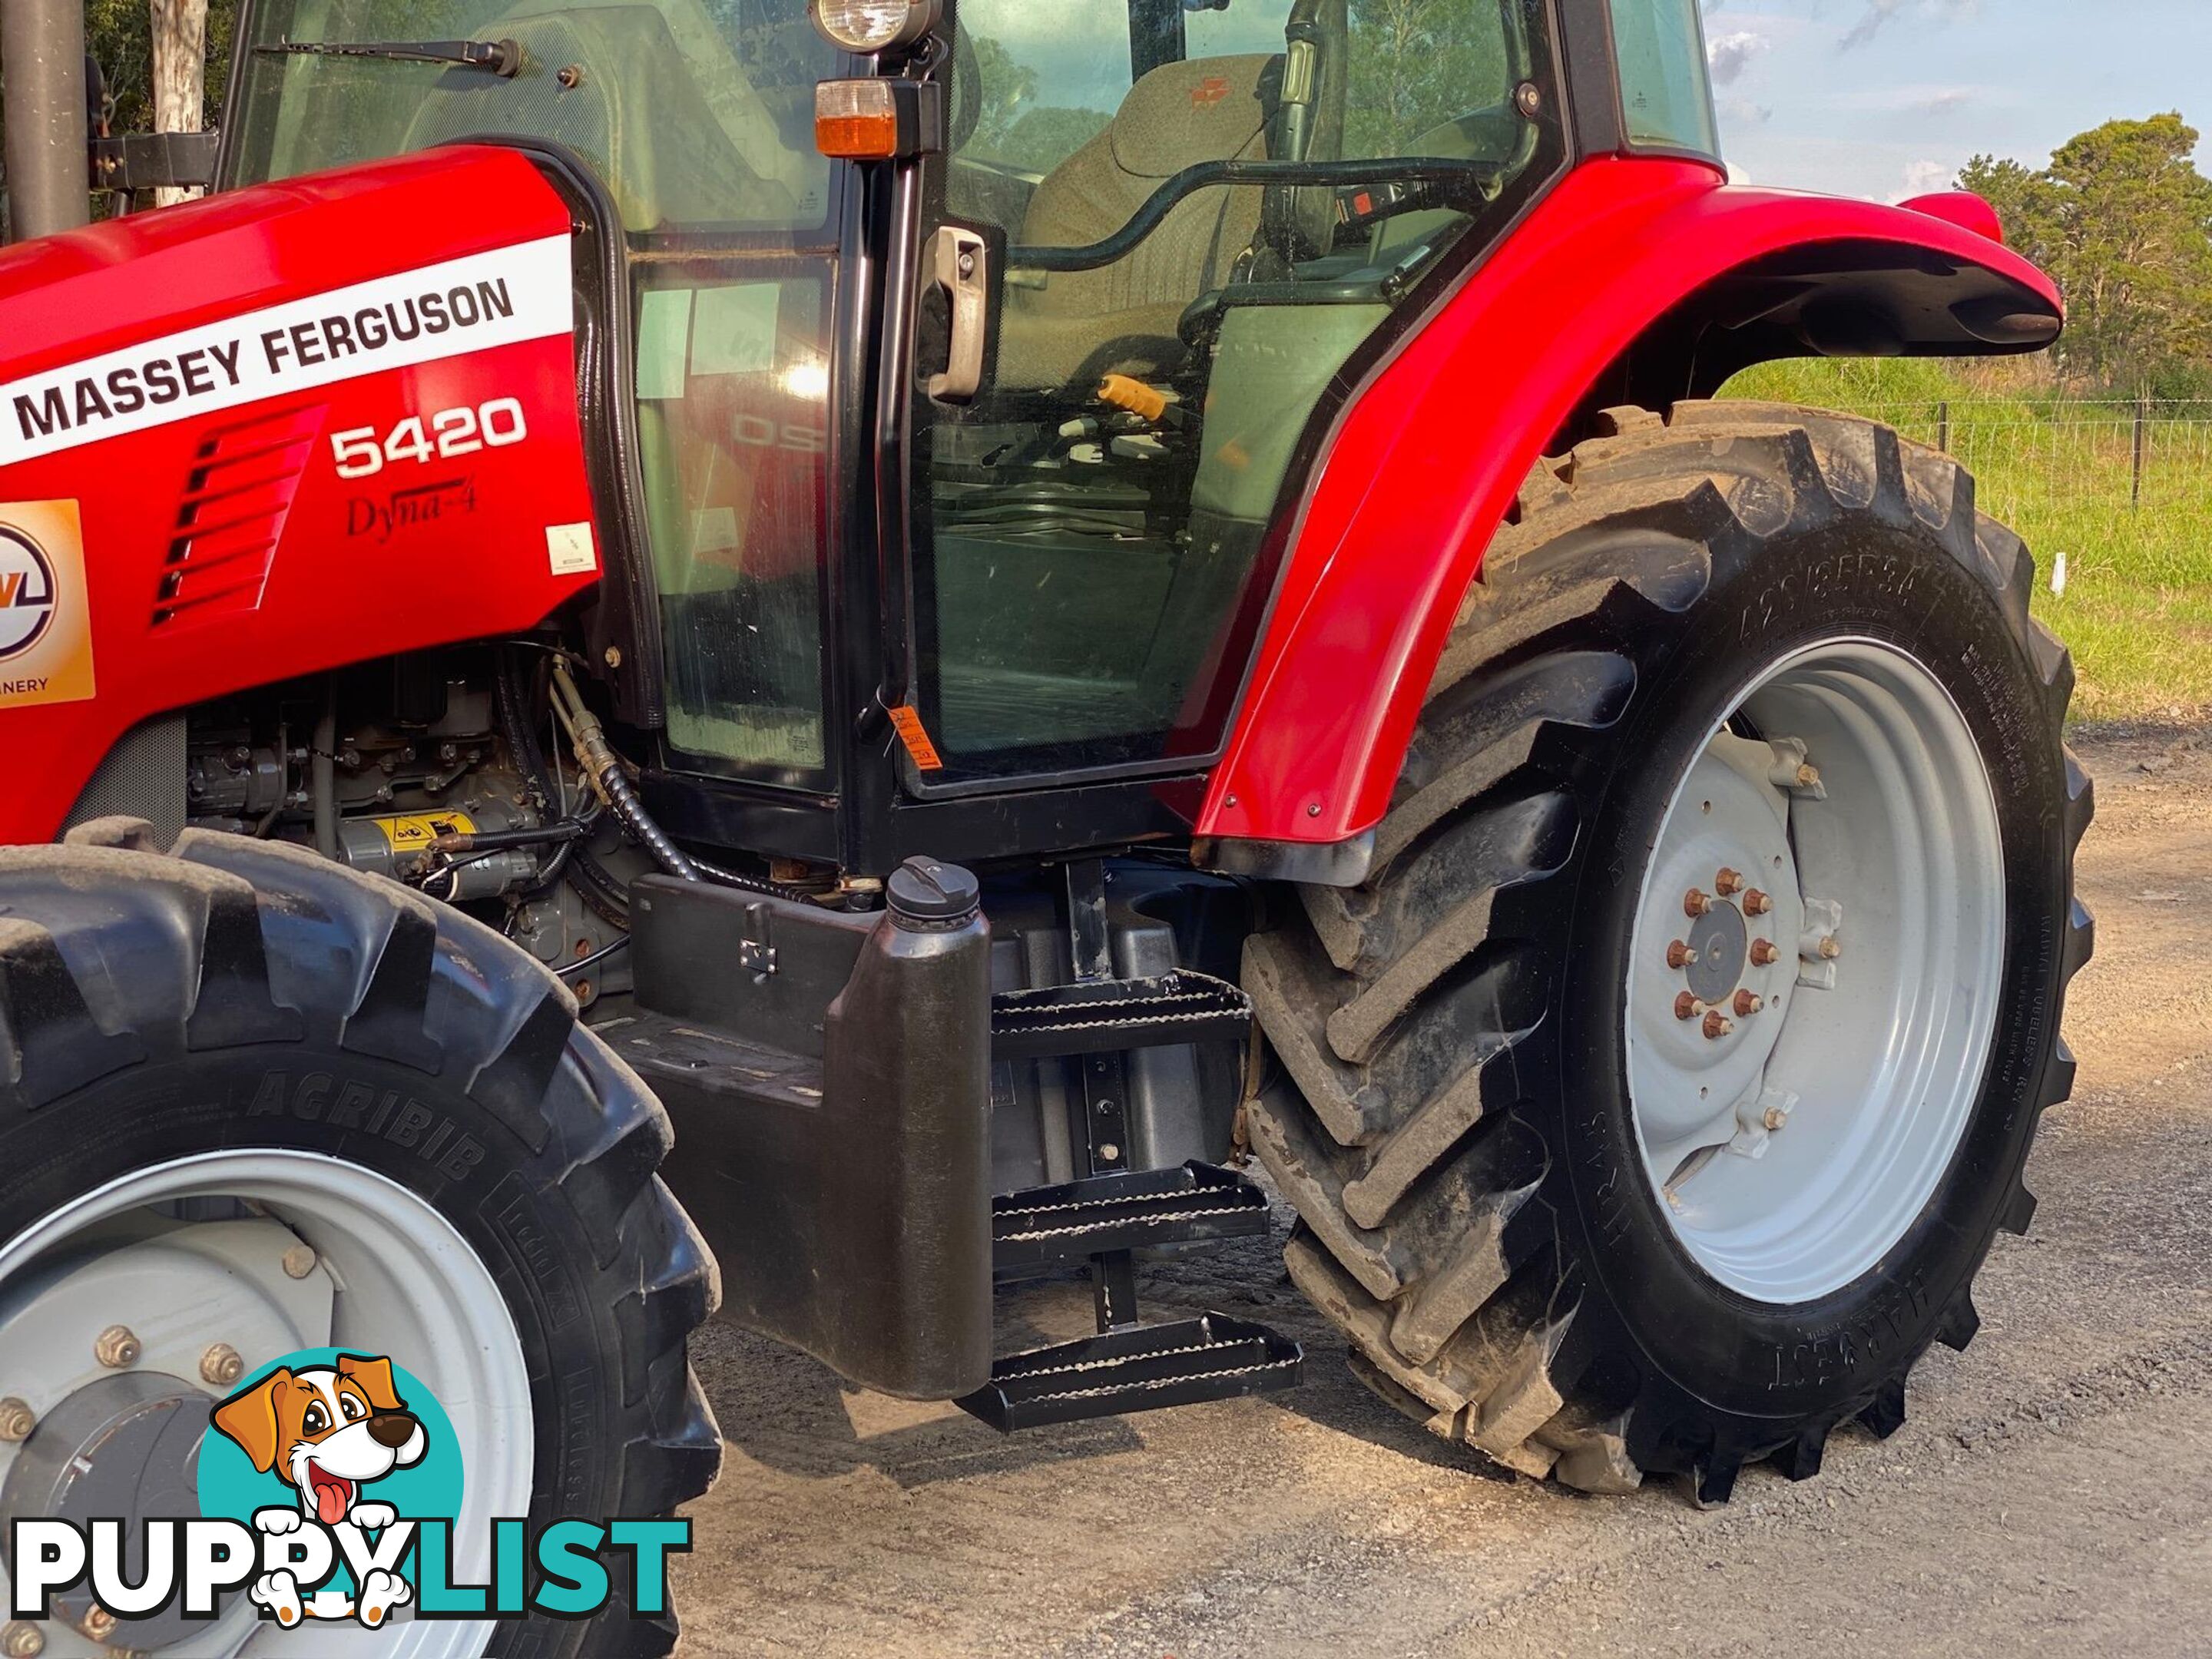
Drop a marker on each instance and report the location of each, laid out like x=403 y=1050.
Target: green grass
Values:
x=2137 y=608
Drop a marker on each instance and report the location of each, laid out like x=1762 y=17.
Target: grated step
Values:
x=1106 y=1016
x=1049 y=1227
x=1136 y=1369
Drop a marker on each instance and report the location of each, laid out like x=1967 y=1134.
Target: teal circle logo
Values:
x=344 y=1444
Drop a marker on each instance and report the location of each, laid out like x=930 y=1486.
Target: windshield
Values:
x=698 y=114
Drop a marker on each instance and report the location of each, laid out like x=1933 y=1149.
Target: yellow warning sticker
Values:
x=46 y=612
x=414 y=832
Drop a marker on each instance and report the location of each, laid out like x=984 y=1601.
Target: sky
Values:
x=1886 y=98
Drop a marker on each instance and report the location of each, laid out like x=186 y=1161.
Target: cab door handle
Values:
x=959 y=263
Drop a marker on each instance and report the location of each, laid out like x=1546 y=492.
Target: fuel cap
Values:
x=924 y=893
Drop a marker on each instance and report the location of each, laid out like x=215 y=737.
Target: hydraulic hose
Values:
x=604 y=768
x=599 y=887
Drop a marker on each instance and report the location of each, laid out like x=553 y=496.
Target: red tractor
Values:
x=962 y=611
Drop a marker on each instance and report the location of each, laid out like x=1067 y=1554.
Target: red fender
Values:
x=1422 y=466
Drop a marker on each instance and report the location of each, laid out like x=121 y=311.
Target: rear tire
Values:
x=240 y=1003
x=1455 y=1121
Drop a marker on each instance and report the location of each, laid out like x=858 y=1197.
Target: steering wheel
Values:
x=1298 y=223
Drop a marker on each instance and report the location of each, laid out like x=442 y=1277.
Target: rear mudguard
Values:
x=1422 y=465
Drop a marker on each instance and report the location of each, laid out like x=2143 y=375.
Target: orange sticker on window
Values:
x=915 y=737
x=45 y=617
x=1209 y=92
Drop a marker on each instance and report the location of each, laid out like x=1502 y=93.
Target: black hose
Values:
x=323 y=773
x=630 y=812
x=598 y=956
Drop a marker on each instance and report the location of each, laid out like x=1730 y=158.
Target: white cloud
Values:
x=1926 y=178
x=1744 y=112
x=1731 y=54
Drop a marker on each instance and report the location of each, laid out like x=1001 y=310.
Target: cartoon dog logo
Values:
x=328 y=1430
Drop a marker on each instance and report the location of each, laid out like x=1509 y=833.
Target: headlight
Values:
x=873 y=25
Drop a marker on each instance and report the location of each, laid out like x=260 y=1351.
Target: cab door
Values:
x=1201 y=227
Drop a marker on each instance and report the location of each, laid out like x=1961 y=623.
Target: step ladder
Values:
x=1103 y=1219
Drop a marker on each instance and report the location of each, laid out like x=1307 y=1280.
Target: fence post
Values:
x=2143 y=423
x=1943 y=426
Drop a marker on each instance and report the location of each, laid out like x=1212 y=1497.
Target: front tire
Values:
x=1539 y=1233
x=308 y=1067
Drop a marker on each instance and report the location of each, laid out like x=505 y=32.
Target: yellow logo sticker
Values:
x=45 y=617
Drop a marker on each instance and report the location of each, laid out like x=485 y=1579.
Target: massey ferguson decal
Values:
x=473 y=304
x=46 y=626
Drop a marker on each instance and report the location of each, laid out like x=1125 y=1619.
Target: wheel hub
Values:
x=1720 y=945
x=1796 y=1104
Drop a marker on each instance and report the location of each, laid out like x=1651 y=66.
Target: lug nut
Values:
x=1776 y=1117
x=1756 y=903
x=99 y=1624
x=1764 y=953
x=1717 y=1025
x=221 y=1366
x=1748 y=1003
x=1687 y=1007
x=1809 y=777
x=1680 y=956
x=299 y=1261
x=17 y=1419
x=22 y=1640
x=116 y=1348
x=1729 y=883
x=1830 y=950
x=1696 y=902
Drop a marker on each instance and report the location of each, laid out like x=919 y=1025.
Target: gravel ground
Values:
x=2052 y=1492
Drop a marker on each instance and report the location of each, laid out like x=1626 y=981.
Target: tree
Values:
x=2122 y=219
x=1419 y=64
x=179 y=41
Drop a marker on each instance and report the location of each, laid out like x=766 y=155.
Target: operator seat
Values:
x=1070 y=327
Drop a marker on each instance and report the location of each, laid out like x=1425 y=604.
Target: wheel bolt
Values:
x=1830 y=950
x=299 y=1261
x=1776 y=1117
x=116 y=1348
x=1756 y=903
x=1680 y=956
x=1809 y=777
x=22 y=1640
x=1687 y=1007
x=1696 y=902
x=17 y=1419
x=1717 y=1025
x=99 y=1624
x=1748 y=1003
x=221 y=1366
x=1729 y=883
x=1764 y=953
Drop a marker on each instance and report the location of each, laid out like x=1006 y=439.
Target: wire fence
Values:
x=2128 y=481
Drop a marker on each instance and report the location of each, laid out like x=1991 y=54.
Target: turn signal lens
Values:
x=856 y=120
x=873 y=25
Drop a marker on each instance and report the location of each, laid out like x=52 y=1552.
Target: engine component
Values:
x=403 y=846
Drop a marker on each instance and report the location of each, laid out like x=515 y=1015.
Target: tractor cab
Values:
x=1037 y=399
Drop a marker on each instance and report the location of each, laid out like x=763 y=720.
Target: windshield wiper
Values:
x=500 y=57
